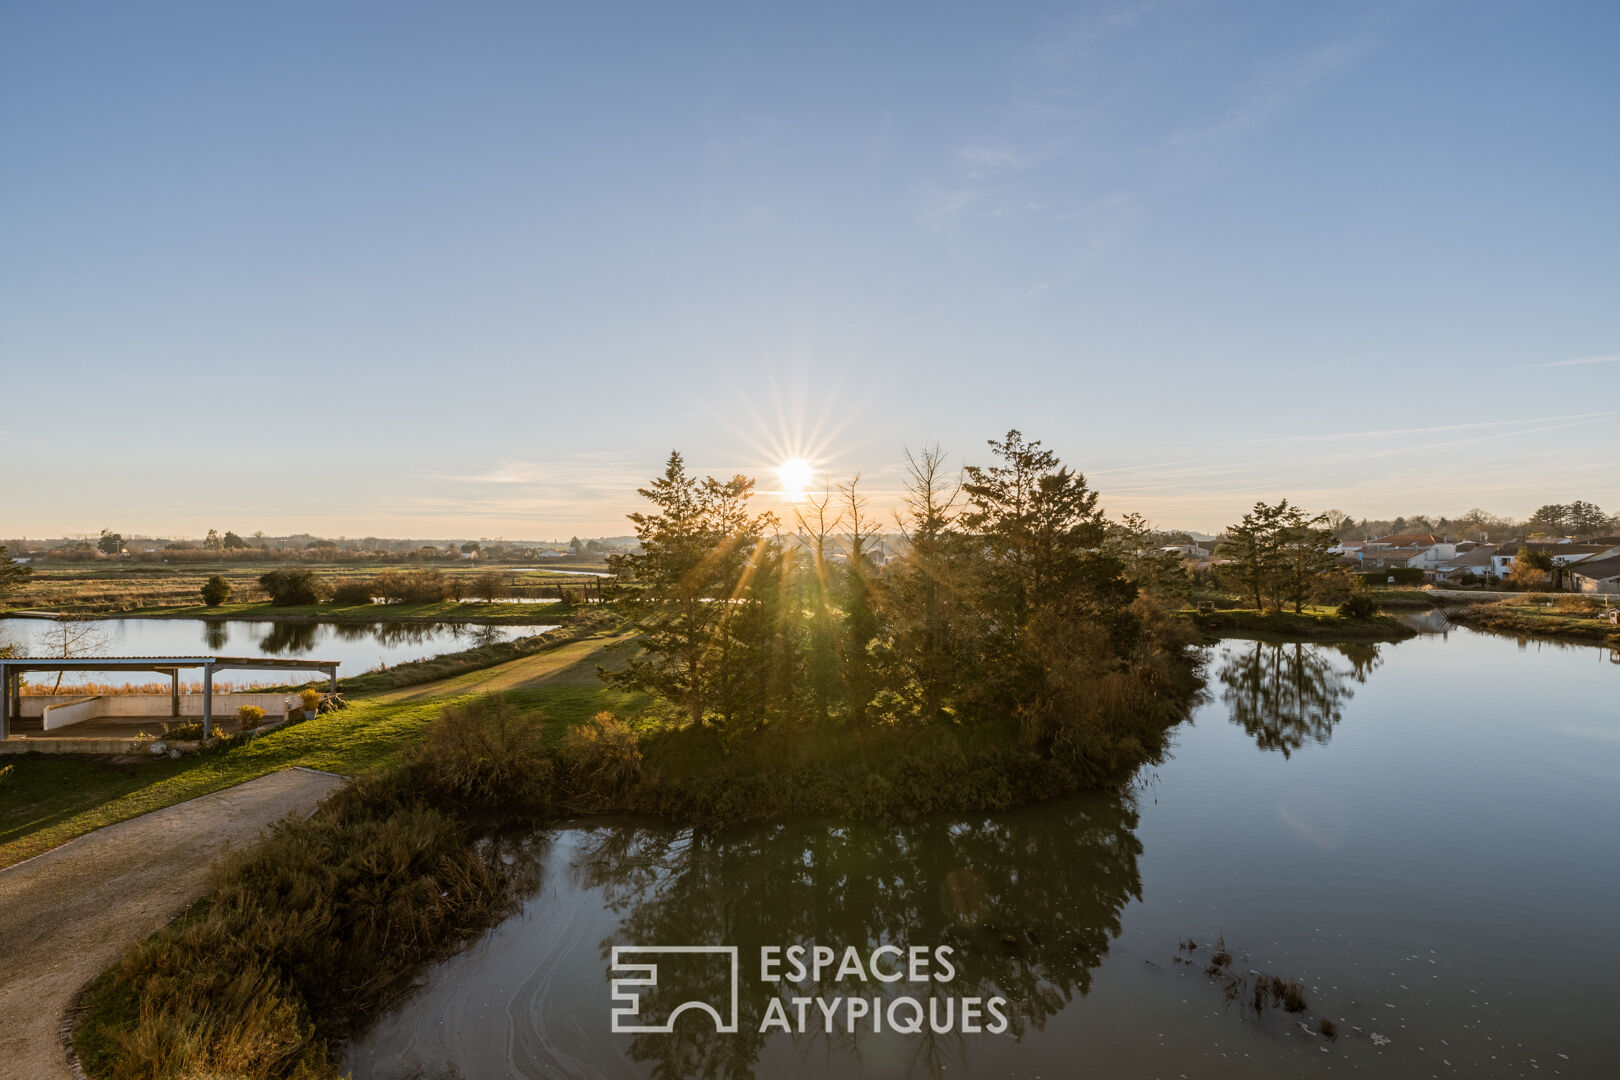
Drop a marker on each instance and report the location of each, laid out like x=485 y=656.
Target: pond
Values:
x=1424 y=835
x=358 y=646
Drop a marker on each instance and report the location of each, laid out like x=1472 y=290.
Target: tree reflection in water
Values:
x=1283 y=695
x=301 y=637
x=1029 y=901
x=215 y=635
x=290 y=637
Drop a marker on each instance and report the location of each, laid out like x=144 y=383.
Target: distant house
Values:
x=1189 y=551
x=1382 y=558
x=1596 y=575
x=1563 y=553
x=1474 y=564
x=1428 y=558
x=1409 y=540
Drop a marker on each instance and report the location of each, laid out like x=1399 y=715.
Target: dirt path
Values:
x=573 y=663
x=65 y=915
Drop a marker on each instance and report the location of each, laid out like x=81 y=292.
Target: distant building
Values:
x=1408 y=540
x=1189 y=551
x=1382 y=558
x=1562 y=552
x=1474 y=564
x=1597 y=575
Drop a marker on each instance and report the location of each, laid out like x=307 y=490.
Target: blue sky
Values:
x=473 y=270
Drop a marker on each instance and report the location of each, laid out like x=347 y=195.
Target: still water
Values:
x=358 y=646
x=1425 y=835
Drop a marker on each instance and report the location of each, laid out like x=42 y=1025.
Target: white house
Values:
x=1433 y=556
x=1564 y=554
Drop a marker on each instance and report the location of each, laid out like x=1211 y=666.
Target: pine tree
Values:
x=697 y=562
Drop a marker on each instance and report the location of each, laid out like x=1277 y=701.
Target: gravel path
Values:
x=67 y=914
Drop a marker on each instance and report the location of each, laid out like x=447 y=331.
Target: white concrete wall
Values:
x=60 y=712
x=191 y=704
x=71 y=712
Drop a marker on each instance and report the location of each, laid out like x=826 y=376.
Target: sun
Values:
x=795 y=475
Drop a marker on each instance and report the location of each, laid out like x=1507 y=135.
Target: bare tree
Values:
x=818 y=522
x=70 y=638
x=489 y=586
x=930 y=499
x=860 y=613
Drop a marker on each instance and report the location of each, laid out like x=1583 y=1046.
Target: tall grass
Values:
x=305 y=937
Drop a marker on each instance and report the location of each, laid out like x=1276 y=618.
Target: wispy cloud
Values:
x=1607 y=358
x=1277 y=89
x=993 y=157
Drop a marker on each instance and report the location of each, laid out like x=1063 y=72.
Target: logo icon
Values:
x=638 y=970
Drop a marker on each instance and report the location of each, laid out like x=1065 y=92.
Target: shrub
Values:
x=351 y=593
x=1358 y=605
x=603 y=757
x=190 y=731
x=310 y=697
x=290 y=588
x=248 y=717
x=215 y=591
x=485 y=754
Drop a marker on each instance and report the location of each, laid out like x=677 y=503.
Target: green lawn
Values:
x=1313 y=624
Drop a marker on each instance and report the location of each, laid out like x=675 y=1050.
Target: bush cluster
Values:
x=413 y=586
x=353 y=593
x=294 y=587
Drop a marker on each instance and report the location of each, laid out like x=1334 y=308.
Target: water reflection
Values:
x=1028 y=901
x=1284 y=695
x=215 y=634
x=298 y=638
x=290 y=637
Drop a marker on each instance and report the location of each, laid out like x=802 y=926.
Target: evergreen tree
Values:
x=12 y=573
x=1253 y=545
x=696 y=566
x=1303 y=561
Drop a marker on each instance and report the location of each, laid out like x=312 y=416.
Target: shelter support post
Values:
x=5 y=702
x=208 y=700
x=331 y=678
x=174 y=692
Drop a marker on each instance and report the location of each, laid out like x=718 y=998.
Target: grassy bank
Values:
x=1312 y=625
x=1565 y=619
x=306 y=936
x=454 y=611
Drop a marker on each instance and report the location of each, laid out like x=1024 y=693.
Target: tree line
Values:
x=1577 y=520
x=1013 y=598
